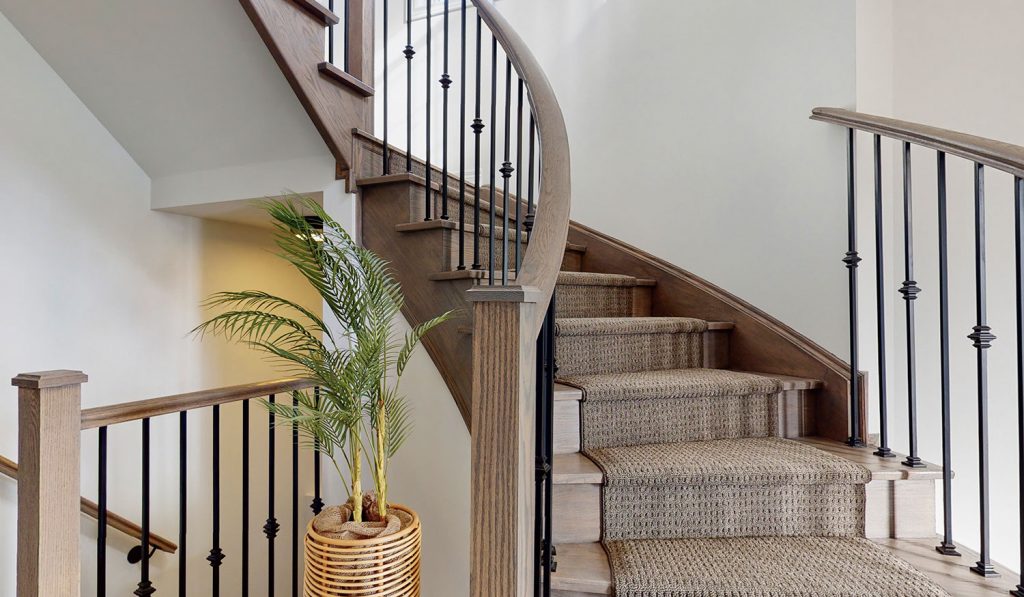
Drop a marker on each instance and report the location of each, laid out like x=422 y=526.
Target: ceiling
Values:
x=183 y=85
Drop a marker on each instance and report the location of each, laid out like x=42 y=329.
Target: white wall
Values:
x=689 y=133
x=951 y=64
x=99 y=282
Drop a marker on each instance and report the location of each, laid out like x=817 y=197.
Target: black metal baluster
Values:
x=245 y=498
x=446 y=82
x=271 y=527
x=982 y=338
x=318 y=503
x=528 y=224
x=216 y=556
x=182 y=503
x=851 y=260
x=101 y=516
x=344 y=33
x=295 y=500
x=519 y=175
x=409 y=53
x=547 y=443
x=478 y=128
x=506 y=171
x=330 y=36
x=387 y=58
x=492 y=163
x=145 y=587
x=543 y=459
x=462 y=145
x=429 y=171
x=909 y=290
x=1018 y=212
x=947 y=547
x=883 y=447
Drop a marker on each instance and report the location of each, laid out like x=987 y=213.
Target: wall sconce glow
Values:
x=318 y=228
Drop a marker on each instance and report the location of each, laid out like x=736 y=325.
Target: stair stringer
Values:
x=296 y=39
x=413 y=258
x=759 y=342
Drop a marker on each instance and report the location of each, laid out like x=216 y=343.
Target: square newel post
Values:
x=49 y=429
x=503 y=442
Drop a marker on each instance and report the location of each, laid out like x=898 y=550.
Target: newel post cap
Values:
x=49 y=379
x=504 y=294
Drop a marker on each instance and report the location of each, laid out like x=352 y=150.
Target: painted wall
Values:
x=950 y=65
x=97 y=281
x=718 y=168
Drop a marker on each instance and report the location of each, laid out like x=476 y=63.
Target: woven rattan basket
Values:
x=385 y=566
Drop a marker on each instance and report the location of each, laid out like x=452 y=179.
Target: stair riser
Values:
x=584 y=355
x=757 y=510
x=901 y=509
x=576 y=513
x=566 y=427
x=602 y=301
x=790 y=420
x=417 y=207
x=572 y=261
x=449 y=242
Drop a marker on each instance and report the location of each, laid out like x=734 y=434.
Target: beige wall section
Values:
x=953 y=65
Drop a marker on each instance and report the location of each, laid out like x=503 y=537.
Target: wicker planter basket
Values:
x=383 y=566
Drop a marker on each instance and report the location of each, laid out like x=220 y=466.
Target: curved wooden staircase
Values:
x=682 y=351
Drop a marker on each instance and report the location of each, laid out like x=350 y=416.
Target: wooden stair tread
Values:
x=435 y=186
x=469 y=274
x=583 y=568
x=574 y=469
x=597 y=282
x=336 y=75
x=884 y=469
x=950 y=573
x=439 y=224
x=788 y=381
x=318 y=11
x=575 y=247
x=564 y=392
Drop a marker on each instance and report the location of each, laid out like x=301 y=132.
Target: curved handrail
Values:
x=543 y=258
x=102 y=416
x=997 y=154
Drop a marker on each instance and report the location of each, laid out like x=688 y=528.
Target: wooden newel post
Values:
x=503 y=434
x=49 y=428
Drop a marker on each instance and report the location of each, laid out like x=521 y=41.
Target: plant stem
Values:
x=357 y=484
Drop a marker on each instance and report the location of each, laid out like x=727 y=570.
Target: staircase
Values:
x=699 y=446
x=679 y=468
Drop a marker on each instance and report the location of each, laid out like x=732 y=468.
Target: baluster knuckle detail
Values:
x=910 y=290
x=982 y=336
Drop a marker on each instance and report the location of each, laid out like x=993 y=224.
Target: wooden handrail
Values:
x=141 y=409
x=997 y=154
x=91 y=509
x=543 y=258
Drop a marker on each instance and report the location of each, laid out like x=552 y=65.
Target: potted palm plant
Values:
x=368 y=545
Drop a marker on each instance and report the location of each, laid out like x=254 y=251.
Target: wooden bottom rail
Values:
x=92 y=510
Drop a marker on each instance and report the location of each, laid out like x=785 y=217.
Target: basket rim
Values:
x=373 y=541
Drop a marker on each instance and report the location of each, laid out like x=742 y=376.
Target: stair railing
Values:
x=498 y=172
x=982 y=153
x=52 y=425
x=9 y=469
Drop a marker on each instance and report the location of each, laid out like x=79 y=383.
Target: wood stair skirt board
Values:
x=293 y=31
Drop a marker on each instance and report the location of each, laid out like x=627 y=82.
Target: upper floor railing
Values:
x=982 y=153
x=50 y=477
